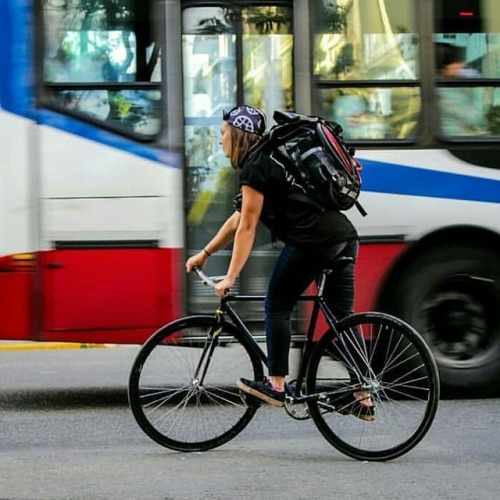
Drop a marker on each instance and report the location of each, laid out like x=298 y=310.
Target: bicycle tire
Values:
x=401 y=373
x=176 y=409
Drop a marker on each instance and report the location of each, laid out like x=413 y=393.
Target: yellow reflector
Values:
x=23 y=256
x=23 y=260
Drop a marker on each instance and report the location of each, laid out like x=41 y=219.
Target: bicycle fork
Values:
x=208 y=350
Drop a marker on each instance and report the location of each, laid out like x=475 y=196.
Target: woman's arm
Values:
x=223 y=237
x=244 y=238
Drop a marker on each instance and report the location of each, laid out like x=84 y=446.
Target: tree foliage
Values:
x=332 y=18
x=114 y=14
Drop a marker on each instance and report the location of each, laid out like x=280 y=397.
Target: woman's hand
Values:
x=197 y=260
x=222 y=287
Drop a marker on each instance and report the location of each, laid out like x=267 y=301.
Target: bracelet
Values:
x=207 y=252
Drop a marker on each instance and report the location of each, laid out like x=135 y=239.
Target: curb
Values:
x=32 y=346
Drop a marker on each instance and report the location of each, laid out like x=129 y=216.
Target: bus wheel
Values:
x=451 y=295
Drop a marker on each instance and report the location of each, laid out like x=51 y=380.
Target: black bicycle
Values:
x=183 y=394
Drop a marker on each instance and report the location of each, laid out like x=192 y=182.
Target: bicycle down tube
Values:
x=318 y=304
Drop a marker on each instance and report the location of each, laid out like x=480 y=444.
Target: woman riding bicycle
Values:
x=313 y=239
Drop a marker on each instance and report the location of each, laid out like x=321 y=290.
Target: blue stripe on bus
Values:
x=390 y=178
x=92 y=133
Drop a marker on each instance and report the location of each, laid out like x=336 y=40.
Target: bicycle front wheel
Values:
x=384 y=358
x=182 y=388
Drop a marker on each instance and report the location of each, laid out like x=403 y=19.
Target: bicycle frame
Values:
x=319 y=305
x=369 y=356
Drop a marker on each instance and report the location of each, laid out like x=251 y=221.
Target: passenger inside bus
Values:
x=376 y=113
x=361 y=117
x=461 y=109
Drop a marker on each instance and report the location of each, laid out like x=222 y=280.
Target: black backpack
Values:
x=313 y=151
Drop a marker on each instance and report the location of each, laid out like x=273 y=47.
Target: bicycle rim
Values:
x=400 y=374
x=175 y=402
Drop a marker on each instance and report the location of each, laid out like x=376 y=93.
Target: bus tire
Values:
x=451 y=295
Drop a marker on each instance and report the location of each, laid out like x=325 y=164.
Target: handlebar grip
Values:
x=203 y=277
x=206 y=280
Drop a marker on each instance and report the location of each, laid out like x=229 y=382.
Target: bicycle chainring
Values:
x=298 y=411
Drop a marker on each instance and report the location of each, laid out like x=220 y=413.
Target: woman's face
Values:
x=225 y=139
x=453 y=70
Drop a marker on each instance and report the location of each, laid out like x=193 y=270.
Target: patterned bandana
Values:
x=246 y=118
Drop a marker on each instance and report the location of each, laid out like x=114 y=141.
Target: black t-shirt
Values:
x=293 y=221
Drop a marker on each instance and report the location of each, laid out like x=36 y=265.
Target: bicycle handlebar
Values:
x=211 y=281
x=206 y=280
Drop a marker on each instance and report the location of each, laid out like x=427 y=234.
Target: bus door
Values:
x=234 y=53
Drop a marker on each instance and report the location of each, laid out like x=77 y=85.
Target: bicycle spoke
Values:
x=389 y=362
x=182 y=386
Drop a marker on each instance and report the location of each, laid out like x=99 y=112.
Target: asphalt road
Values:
x=66 y=432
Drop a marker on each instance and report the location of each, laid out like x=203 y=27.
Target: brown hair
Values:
x=241 y=143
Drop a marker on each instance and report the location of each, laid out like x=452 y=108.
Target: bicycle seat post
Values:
x=322 y=281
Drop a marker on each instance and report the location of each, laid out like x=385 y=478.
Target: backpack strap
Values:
x=360 y=209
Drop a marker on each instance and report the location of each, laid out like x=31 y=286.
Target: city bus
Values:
x=111 y=172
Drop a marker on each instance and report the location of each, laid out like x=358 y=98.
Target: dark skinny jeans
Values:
x=295 y=269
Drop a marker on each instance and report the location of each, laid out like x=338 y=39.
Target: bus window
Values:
x=233 y=54
x=467 y=49
x=373 y=112
x=99 y=62
x=216 y=42
x=93 y=56
x=366 y=67
x=209 y=75
x=267 y=57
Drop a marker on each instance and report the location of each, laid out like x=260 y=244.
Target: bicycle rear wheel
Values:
x=387 y=358
x=182 y=388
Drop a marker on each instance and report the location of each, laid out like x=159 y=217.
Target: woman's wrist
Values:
x=207 y=253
